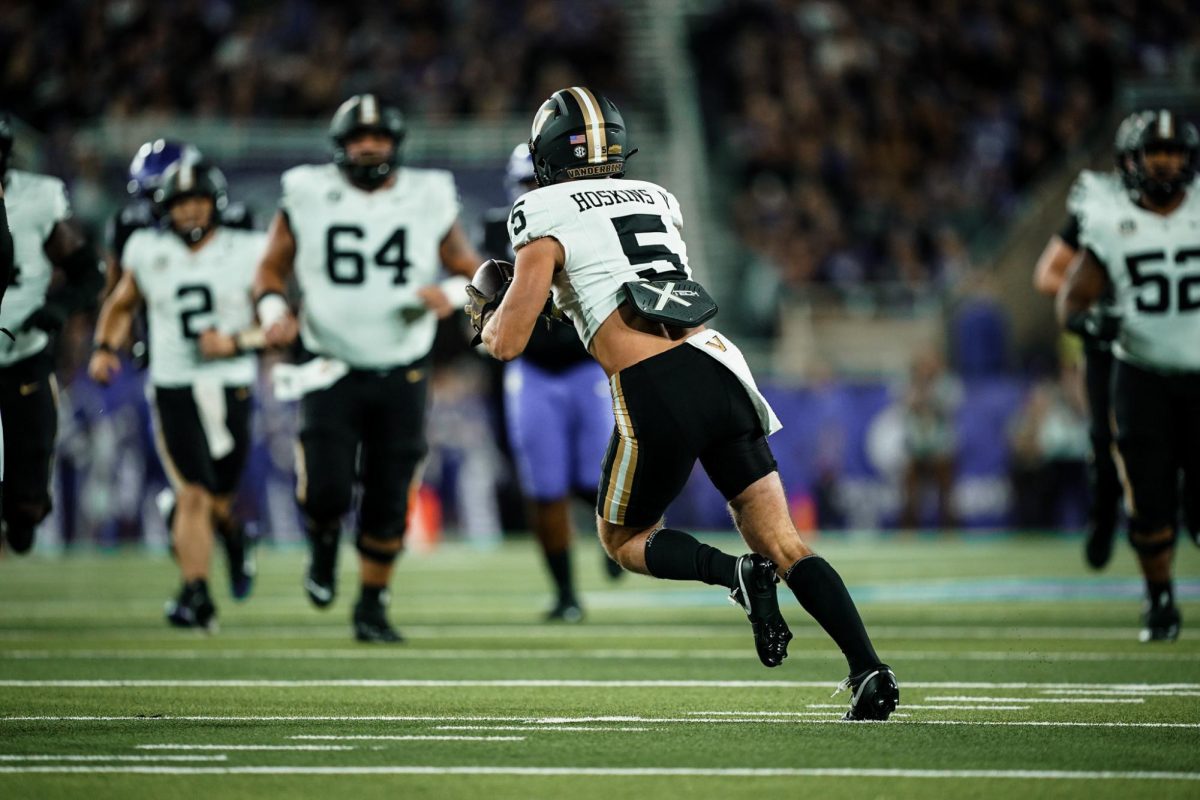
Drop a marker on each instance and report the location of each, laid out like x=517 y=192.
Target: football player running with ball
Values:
x=1145 y=249
x=365 y=239
x=611 y=251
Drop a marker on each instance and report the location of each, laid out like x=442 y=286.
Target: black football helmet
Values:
x=364 y=112
x=1124 y=152
x=190 y=178
x=1163 y=130
x=6 y=142
x=578 y=134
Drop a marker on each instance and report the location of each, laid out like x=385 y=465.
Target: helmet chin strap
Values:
x=193 y=234
x=368 y=176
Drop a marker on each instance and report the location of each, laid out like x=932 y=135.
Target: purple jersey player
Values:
x=559 y=415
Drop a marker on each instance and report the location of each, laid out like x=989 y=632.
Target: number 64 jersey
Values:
x=613 y=231
x=189 y=291
x=1153 y=263
x=361 y=257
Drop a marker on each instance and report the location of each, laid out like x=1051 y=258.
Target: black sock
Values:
x=821 y=591
x=1160 y=591
x=677 y=556
x=372 y=595
x=559 y=565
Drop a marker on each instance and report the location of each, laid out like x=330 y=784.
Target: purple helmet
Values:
x=151 y=161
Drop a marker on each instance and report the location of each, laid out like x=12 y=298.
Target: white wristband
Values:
x=271 y=308
x=455 y=289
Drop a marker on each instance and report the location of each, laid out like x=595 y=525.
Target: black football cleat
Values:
x=874 y=694
x=1160 y=623
x=566 y=611
x=755 y=593
x=19 y=538
x=193 y=608
x=371 y=624
x=320 y=581
x=239 y=557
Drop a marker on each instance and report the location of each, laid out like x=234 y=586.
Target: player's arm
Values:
x=215 y=344
x=460 y=258
x=506 y=332
x=80 y=291
x=1085 y=284
x=112 y=328
x=1052 y=265
x=278 y=323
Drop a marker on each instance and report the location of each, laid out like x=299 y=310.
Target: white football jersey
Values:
x=361 y=257
x=1153 y=264
x=35 y=204
x=189 y=291
x=613 y=231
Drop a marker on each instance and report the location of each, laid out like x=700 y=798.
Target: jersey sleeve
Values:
x=135 y=254
x=291 y=186
x=532 y=218
x=60 y=206
x=675 y=212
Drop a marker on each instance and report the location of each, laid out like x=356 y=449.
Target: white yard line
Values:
x=687 y=632
x=534 y=727
x=571 y=772
x=76 y=757
x=1143 y=692
x=426 y=738
x=578 y=720
x=549 y=683
x=1080 y=700
x=559 y=654
x=244 y=747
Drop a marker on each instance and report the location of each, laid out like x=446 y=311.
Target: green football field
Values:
x=1020 y=676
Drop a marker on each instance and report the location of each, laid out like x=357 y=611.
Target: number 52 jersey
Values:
x=1153 y=263
x=189 y=291
x=362 y=256
x=613 y=231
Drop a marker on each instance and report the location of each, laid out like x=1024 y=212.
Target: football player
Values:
x=1049 y=276
x=612 y=253
x=1147 y=254
x=195 y=277
x=558 y=414
x=45 y=239
x=365 y=238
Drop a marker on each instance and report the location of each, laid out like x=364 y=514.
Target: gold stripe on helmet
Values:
x=368 y=110
x=593 y=117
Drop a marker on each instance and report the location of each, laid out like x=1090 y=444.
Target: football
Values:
x=492 y=277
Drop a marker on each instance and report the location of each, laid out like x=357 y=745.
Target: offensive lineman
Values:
x=44 y=238
x=611 y=251
x=195 y=277
x=1147 y=253
x=364 y=238
x=559 y=418
x=1104 y=485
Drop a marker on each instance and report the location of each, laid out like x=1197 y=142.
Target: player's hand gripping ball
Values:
x=485 y=291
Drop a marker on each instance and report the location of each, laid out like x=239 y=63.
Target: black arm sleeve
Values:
x=6 y=252
x=1069 y=232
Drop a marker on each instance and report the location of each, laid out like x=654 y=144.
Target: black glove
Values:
x=480 y=306
x=1100 y=324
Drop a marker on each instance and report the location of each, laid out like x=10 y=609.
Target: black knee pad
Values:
x=21 y=518
x=325 y=504
x=1139 y=533
x=392 y=534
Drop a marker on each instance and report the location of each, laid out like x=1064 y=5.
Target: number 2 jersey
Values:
x=189 y=291
x=35 y=204
x=361 y=257
x=1153 y=265
x=613 y=231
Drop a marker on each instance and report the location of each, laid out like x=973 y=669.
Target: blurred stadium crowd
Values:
x=867 y=144
x=872 y=138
